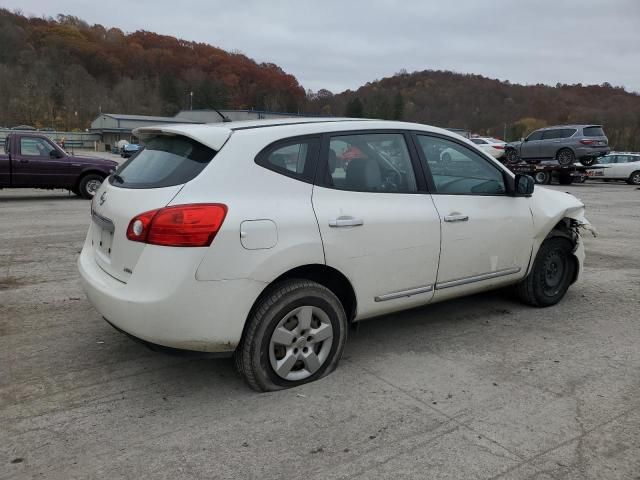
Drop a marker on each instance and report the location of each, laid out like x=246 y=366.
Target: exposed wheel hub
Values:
x=554 y=269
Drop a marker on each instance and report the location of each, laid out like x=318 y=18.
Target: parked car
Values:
x=618 y=166
x=34 y=161
x=566 y=144
x=251 y=238
x=128 y=150
x=492 y=146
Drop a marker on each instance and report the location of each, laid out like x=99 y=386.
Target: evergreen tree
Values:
x=398 y=106
x=354 y=108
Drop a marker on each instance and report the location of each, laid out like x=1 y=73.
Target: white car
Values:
x=252 y=238
x=492 y=146
x=618 y=166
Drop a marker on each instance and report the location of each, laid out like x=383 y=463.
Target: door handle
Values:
x=456 y=218
x=346 y=222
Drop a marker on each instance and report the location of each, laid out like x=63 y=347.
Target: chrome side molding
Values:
x=476 y=278
x=403 y=293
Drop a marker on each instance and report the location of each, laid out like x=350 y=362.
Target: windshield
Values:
x=163 y=162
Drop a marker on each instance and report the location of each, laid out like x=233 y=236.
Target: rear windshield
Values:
x=593 y=132
x=163 y=162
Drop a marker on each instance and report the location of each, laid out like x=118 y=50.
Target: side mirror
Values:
x=524 y=185
x=522 y=139
x=55 y=154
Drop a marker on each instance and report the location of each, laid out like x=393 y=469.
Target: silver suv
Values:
x=565 y=143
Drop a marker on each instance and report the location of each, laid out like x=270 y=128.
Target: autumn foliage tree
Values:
x=61 y=72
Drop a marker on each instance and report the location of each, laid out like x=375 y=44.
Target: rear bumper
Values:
x=165 y=305
x=592 y=151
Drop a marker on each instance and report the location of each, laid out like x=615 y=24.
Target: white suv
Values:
x=269 y=238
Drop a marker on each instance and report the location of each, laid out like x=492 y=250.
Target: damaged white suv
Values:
x=267 y=239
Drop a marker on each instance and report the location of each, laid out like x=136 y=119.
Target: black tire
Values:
x=565 y=156
x=581 y=178
x=255 y=352
x=588 y=161
x=634 y=178
x=87 y=185
x=511 y=156
x=551 y=276
x=542 y=177
x=565 y=179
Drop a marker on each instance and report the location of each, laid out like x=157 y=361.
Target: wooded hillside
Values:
x=484 y=105
x=60 y=72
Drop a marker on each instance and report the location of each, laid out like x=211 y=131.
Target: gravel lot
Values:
x=476 y=388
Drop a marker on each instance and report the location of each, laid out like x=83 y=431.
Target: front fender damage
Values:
x=549 y=207
x=559 y=214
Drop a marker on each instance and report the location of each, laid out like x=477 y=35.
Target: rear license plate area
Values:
x=103 y=237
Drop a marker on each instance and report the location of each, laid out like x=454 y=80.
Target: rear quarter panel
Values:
x=252 y=192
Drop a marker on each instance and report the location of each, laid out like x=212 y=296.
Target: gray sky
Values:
x=344 y=44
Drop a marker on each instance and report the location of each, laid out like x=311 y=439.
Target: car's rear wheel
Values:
x=565 y=157
x=634 y=178
x=511 y=156
x=588 y=161
x=295 y=334
x=551 y=275
x=89 y=185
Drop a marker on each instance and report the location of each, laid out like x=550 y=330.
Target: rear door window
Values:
x=593 y=132
x=370 y=162
x=568 y=132
x=550 y=134
x=164 y=161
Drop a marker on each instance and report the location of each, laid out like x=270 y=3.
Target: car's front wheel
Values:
x=588 y=161
x=295 y=334
x=551 y=275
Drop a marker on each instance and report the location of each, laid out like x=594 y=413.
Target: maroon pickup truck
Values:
x=34 y=161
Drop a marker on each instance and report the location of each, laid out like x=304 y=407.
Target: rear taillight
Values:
x=193 y=225
x=587 y=142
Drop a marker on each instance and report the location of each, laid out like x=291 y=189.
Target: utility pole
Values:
x=190 y=100
x=504 y=135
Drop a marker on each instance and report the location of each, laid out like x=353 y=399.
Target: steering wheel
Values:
x=391 y=181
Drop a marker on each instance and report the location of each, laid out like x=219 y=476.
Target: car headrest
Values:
x=363 y=174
